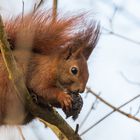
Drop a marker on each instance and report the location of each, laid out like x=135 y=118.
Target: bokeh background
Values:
x=114 y=70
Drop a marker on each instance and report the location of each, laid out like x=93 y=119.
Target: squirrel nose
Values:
x=78 y=91
x=75 y=91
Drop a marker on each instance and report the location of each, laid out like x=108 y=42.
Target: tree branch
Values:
x=16 y=76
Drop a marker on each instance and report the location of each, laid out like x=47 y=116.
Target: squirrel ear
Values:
x=87 y=51
x=70 y=51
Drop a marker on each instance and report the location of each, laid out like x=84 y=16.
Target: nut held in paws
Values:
x=77 y=105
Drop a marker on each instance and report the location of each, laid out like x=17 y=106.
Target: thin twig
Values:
x=138 y=111
x=113 y=15
x=22 y=9
x=37 y=6
x=20 y=132
x=114 y=110
x=88 y=113
x=121 y=36
x=129 y=81
x=55 y=3
x=77 y=129
x=124 y=11
x=96 y=123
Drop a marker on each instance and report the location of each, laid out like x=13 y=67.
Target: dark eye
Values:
x=74 y=70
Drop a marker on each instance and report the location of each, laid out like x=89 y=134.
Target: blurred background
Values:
x=114 y=71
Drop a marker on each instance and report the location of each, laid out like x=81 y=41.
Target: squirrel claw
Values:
x=65 y=101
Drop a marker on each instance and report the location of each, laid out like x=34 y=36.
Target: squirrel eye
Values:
x=74 y=70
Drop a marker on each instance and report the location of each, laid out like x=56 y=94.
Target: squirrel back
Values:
x=53 y=55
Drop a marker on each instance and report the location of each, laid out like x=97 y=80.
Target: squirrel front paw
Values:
x=65 y=100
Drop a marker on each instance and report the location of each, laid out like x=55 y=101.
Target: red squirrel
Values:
x=53 y=56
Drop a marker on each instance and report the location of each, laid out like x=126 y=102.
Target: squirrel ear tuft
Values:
x=87 y=51
x=66 y=52
x=93 y=36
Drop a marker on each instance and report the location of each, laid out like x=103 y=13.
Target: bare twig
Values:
x=20 y=132
x=129 y=81
x=138 y=111
x=55 y=2
x=114 y=110
x=111 y=19
x=118 y=8
x=88 y=113
x=96 y=123
x=121 y=36
x=37 y=6
x=77 y=129
x=22 y=9
x=126 y=14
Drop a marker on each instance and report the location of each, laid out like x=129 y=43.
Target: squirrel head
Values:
x=72 y=74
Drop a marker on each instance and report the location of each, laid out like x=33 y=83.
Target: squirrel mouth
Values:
x=66 y=90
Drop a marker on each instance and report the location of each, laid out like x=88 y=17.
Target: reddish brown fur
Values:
x=46 y=51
